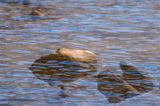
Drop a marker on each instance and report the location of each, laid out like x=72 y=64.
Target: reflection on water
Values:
x=135 y=78
x=57 y=72
x=115 y=87
x=118 y=88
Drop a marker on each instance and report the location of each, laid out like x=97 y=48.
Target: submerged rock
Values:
x=114 y=87
x=61 y=68
x=118 y=87
x=76 y=55
x=51 y=70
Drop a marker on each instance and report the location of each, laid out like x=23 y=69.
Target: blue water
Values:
x=116 y=30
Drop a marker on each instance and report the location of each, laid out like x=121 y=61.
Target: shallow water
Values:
x=117 y=30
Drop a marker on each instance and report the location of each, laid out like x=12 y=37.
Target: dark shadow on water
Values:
x=58 y=73
x=135 y=78
x=114 y=86
x=117 y=88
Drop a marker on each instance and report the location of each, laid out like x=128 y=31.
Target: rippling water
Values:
x=117 y=30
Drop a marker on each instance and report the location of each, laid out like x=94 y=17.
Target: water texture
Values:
x=116 y=30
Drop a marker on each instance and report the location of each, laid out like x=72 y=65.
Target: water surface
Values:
x=117 y=30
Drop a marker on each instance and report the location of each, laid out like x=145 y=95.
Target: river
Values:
x=116 y=30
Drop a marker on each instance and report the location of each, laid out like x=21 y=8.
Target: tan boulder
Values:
x=76 y=55
x=37 y=12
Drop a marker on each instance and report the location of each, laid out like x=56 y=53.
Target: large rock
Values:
x=48 y=69
x=76 y=55
x=38 y=12
x=62 y=74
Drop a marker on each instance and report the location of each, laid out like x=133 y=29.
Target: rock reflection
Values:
x=135 y=78
x=120 y=87
x=57 y=72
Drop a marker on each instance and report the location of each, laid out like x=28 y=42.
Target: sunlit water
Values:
x=116 y=30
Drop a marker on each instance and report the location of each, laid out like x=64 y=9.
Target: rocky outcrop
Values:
x=61 y=68
x=76 y=55
x=37 y=12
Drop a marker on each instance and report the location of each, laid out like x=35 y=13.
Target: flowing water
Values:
x=116 y=30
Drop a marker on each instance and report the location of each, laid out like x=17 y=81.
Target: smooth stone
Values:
x=37 y=12
x=75 y=55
